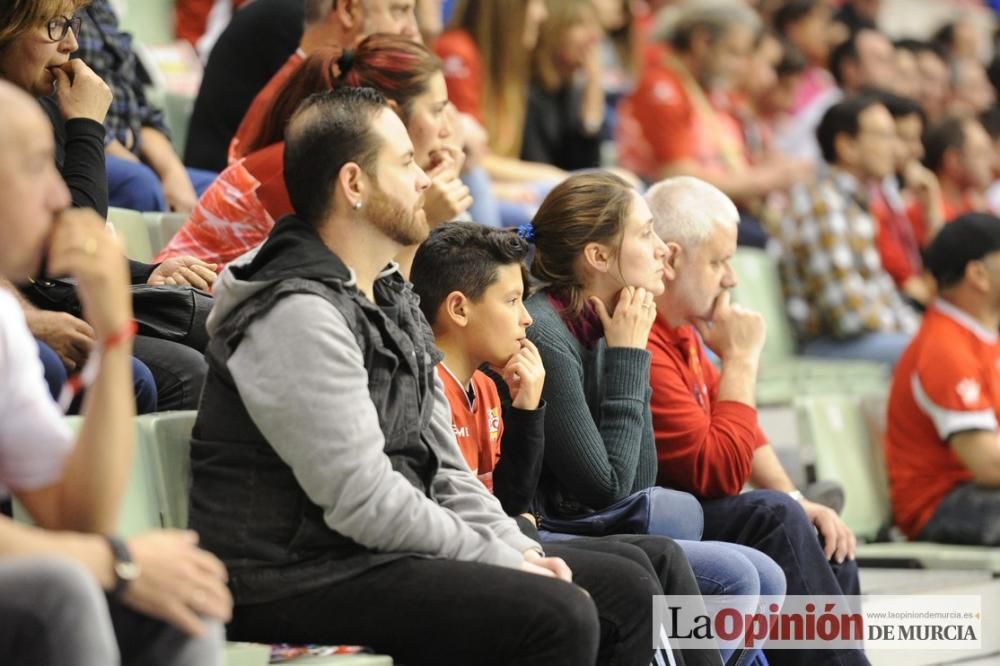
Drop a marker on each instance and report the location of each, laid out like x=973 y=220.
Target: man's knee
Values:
x=57 y=582
x=179 y=371
x=570 y=613
x=782 y=507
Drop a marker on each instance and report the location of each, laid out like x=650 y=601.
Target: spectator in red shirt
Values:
x=942 y=450
x=486 y=51
x=708 y=441
x=681 y=118
x=912 y=187
x=960 y=153
x=241 y=207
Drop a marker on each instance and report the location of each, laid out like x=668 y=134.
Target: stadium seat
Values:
x=783 y=374
x=132 y=231
x=162 y=227
x=168 y=439
x=140 y=508
x=177 y=109
x=835 y=428
x=150 y=21
x=168 y=435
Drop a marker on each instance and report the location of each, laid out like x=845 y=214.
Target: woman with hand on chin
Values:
x=600 y=265
x=238 y=211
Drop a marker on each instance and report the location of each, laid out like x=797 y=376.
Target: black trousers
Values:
x=438 y=613
x=968 y=515
x=775 y=524
x=663 y=561
x=179 y=371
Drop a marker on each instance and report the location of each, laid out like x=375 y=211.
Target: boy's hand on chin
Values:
x=525 y=376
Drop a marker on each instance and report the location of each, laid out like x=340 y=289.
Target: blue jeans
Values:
x=729 y=569
x=774 y=524
x=135 y=186
x=484 y=210
x=878 y=347
x=56 y=376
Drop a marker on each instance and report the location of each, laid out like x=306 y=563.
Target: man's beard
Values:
x=403 y=225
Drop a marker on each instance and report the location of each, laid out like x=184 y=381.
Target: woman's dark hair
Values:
x=585 y=208
x=395 y=66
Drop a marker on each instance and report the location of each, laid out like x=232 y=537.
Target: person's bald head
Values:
x=31 y=190
x=19 y=112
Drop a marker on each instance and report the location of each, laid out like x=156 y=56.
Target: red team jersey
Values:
x=946 y=382
x=477 y=422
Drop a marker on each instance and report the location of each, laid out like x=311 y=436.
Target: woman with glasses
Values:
x=37 y=38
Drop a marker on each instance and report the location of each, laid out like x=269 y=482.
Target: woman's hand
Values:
x=80 y=92
x=447 y=196
x=632 y=320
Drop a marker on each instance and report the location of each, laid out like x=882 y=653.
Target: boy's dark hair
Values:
x=462 y=256
x=941 y=138
x=329 y=130
x=842 y=118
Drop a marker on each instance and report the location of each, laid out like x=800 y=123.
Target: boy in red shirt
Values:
x=470 y=280
x=942 y=449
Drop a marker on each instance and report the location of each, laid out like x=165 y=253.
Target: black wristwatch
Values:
x=125 y=569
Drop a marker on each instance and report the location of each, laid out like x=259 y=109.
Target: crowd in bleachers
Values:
x=448 y=297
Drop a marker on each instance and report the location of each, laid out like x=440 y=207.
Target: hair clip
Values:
x=527 y=232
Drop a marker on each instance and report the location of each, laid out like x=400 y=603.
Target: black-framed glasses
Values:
x=60 y=26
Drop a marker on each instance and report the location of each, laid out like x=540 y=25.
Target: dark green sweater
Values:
x=599 y=445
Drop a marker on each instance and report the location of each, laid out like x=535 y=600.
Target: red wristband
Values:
x=125 y=333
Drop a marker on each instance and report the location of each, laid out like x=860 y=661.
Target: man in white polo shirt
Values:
x=68 y=586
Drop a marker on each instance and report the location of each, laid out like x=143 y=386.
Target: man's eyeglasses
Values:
x=60 y=26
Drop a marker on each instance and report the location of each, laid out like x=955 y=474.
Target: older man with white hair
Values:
x=708 y=441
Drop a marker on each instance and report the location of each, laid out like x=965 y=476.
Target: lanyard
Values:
x=694 y=362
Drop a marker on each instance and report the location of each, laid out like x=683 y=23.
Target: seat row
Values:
x=156 y=497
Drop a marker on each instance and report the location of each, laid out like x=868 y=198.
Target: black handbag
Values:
x=166 y=312
x=172 y=313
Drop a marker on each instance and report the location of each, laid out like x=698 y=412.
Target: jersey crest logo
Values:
x=969 y=391
x=493 y=420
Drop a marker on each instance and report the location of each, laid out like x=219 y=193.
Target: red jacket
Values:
x=704 y=445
